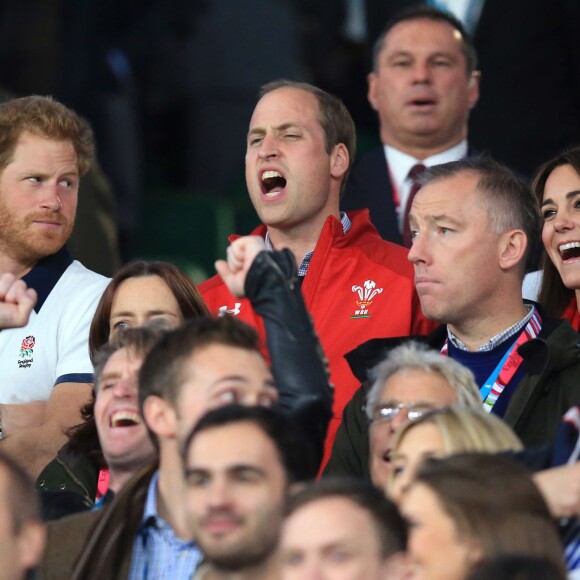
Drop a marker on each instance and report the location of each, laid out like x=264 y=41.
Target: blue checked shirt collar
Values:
x=303 y=268
x=150 y=510
x=157 y=551
x=496 y=340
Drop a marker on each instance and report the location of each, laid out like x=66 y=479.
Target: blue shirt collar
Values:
x=151 y=516
x=150 y=510
x=47 y=272
x=499 y=338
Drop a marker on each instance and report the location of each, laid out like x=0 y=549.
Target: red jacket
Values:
x=572 y=315
x=358 y=286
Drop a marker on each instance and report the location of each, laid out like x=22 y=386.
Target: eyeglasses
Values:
x=387 y=412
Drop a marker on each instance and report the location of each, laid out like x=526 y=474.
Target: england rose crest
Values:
x=27 y=346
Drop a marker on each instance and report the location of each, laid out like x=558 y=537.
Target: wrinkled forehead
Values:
x=285 y=105
x=126 y=360
x=456 y=195
x=433 y=35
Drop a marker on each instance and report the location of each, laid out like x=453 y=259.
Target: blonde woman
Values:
x=445 y=432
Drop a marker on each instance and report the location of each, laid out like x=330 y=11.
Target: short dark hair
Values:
x=188 y=297
x=554 y=296
x=390 y=526
x=21 y=498
x=295 y=451
x=45 y=117
x=507 y=199
x=335 y=120
x=162 y=371
x=423 y=12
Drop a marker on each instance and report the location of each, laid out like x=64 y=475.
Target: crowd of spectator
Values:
x=382 y=381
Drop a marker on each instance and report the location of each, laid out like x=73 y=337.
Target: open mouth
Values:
x=387 y=456
x=569 y=251
x=423 y=102
x=125 y=419
x=272 y=183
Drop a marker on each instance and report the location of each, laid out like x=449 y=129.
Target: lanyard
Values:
x=508 y=365
x=103 y=483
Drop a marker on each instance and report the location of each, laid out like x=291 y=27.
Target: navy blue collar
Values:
x=47 y=272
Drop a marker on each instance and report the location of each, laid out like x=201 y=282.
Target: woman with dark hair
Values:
x=557 y=188
x=470 y=507
x=139 y=292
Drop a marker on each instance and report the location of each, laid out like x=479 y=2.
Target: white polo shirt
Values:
x=53 y=347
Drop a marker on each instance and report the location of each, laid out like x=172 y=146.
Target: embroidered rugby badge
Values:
x=365 y=293
x=25 y=358
x=234 y=311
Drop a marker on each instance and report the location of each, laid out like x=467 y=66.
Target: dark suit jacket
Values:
x=369 y=186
